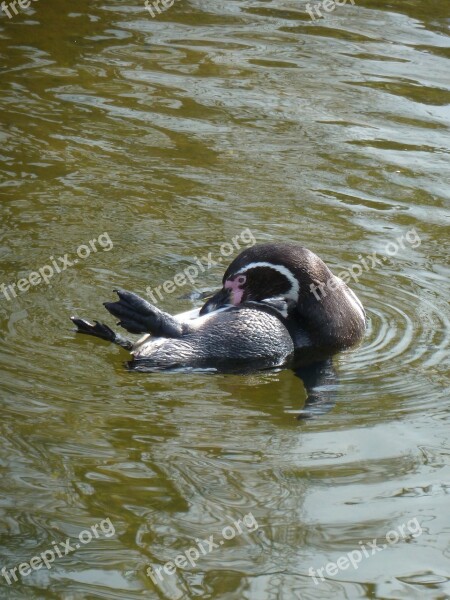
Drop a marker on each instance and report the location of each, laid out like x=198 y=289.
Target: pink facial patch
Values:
x=237 y=292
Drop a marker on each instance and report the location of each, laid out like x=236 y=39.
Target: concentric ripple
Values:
x=408 y=335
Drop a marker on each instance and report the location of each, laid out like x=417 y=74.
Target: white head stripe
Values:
x=295 y=287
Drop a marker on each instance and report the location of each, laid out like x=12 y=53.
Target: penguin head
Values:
x=283 y=276
x=267 y=271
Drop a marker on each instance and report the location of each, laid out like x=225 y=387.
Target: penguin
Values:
x=278 y=302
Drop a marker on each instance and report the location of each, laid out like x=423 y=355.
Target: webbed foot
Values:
x=139 y=316
x=102 y=331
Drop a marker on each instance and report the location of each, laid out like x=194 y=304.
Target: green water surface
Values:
x=160 y=139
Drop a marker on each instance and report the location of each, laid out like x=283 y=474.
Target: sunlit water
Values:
x=172 y=135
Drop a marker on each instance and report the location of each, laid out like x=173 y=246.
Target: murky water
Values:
x=170 y=136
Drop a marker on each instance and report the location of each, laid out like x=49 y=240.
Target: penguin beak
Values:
x=220 y=299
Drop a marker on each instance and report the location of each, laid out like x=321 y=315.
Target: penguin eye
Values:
x=241 y=279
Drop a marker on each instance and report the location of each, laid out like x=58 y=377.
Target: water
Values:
x=171 y=135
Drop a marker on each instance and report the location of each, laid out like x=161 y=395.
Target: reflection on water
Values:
x=172 y=135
